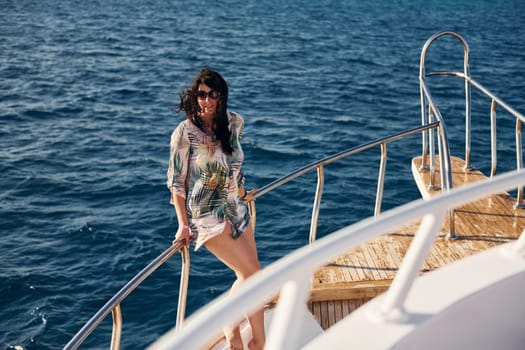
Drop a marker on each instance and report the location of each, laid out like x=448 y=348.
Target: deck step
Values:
x=367 y=271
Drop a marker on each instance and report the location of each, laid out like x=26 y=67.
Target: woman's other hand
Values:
x=249 y=196
x=183 y=235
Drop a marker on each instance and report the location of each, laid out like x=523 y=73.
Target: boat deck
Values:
x=363 y=273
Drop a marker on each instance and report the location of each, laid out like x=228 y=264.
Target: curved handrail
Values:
x=320 y=164
x=341 y=155
x=495 y=101
x=287 y=275
x=483 y=89
x=113 y=305
x=433 y=111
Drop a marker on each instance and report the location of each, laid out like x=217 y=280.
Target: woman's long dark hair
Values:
x=188 y=104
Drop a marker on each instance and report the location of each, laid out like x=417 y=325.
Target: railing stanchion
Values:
x=381 y=180
x=466 y=72
x=286 y=327
x=183 y=287
x=493 y=139
x=116 y=334
x=392 y=305
x=317 y=204
x=253 y=213
x=519 y=164
x=424 y=118
x=432 y=162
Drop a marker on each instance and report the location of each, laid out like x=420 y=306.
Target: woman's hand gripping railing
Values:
x=113 y=305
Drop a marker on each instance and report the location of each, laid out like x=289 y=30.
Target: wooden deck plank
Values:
x=331 y=312
x=367 y=271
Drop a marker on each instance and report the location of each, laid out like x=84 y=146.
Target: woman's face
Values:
x=208 y=100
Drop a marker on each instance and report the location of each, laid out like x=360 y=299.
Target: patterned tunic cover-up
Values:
x=208 y=179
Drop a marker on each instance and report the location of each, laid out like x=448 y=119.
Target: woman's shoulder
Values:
x=181 y=128
x=184 y=125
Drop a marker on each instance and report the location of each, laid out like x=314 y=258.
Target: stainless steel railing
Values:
x=432 y=121
x=319 y=166
x=427 y=116
x=113 y=305
x=290 y=277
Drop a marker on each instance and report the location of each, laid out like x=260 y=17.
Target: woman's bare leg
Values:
x=241 y=256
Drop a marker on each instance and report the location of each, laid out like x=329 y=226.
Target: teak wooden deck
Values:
x=363 y=273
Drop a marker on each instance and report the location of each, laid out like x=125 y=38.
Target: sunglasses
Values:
x=211 y=94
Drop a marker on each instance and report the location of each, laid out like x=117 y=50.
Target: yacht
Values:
x=445 y=271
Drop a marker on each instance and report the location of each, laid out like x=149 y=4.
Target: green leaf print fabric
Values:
x=208 y=179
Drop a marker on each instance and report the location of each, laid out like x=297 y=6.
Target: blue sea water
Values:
x=87 y=97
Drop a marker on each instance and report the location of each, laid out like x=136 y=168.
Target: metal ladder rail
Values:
x=428 y=115
x=426 y=98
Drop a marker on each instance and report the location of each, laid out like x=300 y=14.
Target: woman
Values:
x=207 y=186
